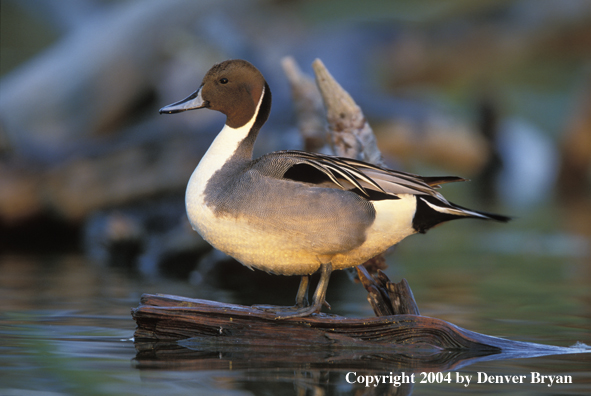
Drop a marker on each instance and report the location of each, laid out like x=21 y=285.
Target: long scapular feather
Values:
x=363 y=176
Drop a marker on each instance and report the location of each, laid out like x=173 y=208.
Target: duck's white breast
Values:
x=252 y=246
x=233 y=235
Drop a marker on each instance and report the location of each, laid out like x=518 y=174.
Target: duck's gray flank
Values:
x=281 y=205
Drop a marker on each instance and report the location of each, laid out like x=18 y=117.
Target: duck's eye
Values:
x=224 y=80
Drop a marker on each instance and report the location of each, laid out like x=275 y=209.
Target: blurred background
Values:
x=498 y=91
x=92 y=178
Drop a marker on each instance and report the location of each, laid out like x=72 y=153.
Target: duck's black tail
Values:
x=432 y=211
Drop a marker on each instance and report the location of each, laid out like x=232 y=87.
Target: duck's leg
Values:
x=318 y=299
x=302 y=296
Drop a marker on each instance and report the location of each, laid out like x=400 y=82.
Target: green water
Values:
x=66 y=327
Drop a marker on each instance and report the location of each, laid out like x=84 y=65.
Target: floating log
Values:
x=173 y=327
x=209 y=335
x=170 y=318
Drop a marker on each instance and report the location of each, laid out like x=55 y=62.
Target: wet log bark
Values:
x=167 y=322
x=206 y=334
x=172 y=318
x=385 y=297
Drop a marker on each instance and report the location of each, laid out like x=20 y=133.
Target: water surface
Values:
x=66 y=324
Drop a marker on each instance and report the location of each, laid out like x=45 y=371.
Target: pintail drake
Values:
x=294 y=212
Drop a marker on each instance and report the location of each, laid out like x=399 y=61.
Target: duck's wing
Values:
x=367 y=180
x=395 y=182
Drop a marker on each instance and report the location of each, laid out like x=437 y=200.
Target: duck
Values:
x=294 y=212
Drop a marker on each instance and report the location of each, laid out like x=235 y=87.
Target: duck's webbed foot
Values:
x=302 y=306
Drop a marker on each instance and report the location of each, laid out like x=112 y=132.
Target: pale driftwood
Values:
x=308 y=105
x=349 y=132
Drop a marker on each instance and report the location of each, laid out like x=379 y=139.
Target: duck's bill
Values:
x=194 y=101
